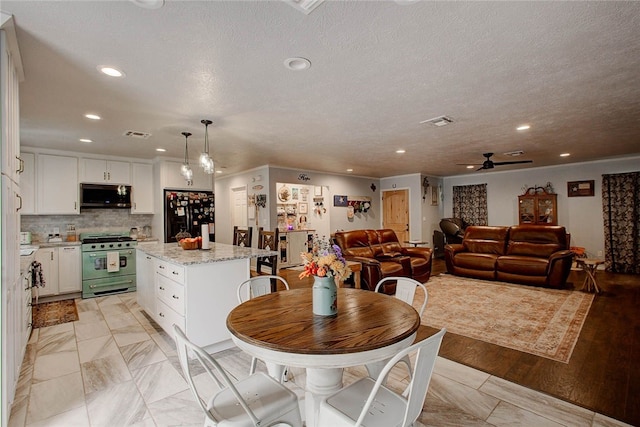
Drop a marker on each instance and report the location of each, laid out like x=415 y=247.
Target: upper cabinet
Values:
x=57 y=185
x=105 y=171
x=142 y=188
x=171 y=177
x=538 y=207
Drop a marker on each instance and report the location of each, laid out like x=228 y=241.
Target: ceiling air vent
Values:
x=304 y=6
x=137 y=134
x=438 y=121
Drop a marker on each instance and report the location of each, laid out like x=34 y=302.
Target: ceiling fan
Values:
x=490 y=164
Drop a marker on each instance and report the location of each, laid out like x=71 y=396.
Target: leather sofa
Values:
x=381 y=255
x=536 y=255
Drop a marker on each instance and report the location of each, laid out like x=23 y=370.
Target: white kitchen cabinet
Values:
x=48 y=258
x=62 y=270
x=69 y=269
x=142 y=188
x=171 y=177
x=145 y=282
x=102 y=171
x=57 y=185
x=292 y=244
x=28 y=184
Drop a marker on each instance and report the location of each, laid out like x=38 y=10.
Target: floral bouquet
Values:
x=324 y=260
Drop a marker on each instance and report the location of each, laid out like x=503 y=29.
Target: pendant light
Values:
x=205 y=159
x=185 y=169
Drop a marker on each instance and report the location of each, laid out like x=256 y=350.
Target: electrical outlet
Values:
x=599 y=254
x=56 y=230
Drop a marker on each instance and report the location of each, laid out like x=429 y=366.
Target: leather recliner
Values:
x=381 y=255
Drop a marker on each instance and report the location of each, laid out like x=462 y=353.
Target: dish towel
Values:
x=113 y=261
x=37 y=275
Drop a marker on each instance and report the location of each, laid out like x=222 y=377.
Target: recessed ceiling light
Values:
x=400 y=151
x=565 y=154
x=470 y=167
x=349 y=170
x=161 y=150
x=523 y=127
x=110 y=71
x=85 y=140
x=92 y=116
x=218 y=171
x=297 y=64
x=148 y=4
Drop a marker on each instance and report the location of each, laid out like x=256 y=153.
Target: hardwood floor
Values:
x=603 y=374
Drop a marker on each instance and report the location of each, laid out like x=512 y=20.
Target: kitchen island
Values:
x=195 y=289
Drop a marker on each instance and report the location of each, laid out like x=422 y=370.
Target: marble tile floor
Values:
x=116 y=367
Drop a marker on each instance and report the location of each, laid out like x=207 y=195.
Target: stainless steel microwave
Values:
x=105 y=196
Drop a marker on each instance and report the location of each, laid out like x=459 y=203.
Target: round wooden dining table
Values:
x=281 y=329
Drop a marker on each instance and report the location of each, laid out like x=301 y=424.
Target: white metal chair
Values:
x=405 y=291
x=255 y=287
x=369 y=402
x=257 y=400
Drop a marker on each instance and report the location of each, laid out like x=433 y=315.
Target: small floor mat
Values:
x=54 y=313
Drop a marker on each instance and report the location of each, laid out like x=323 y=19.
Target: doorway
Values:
x=395 y=212
x=239 y=207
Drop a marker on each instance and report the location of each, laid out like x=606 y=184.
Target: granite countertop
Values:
x=55 y=244
x=172 y=252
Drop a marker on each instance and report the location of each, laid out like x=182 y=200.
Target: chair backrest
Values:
x=257 y=286
x=406 y=290
x=242 y=237
x=427 y=352
x=267 y=240
x=213 y=369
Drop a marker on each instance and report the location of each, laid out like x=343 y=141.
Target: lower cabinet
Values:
x=197 y=297
x=62 y=270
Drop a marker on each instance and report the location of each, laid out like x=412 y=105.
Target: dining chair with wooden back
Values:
x=242 y=236
x=267 y=240
x=255 y=287
x=369 y=402
x=255 y=400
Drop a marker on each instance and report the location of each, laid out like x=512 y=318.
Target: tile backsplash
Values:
x=90 y=220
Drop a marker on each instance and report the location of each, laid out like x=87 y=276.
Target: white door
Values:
x=238 y=207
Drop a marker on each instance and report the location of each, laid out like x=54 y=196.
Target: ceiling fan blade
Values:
x=480 y=168
x=512 y=163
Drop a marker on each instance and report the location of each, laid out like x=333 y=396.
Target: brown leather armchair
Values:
x=382 y=256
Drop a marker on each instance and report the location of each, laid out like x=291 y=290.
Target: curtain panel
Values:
x=470 y=203
x=621 y=212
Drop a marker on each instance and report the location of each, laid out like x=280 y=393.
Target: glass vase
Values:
x=325 y=296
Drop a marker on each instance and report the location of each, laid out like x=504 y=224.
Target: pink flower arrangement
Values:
x=324 y=260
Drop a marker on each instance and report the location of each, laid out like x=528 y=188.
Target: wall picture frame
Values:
x=303 y=208
x=340 y=201
x=434 y=196
x=580 y=188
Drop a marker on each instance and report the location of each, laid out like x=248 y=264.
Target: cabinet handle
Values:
x=75 y=205
x=175 y=297
x=161 y=267
x=161 y=288
x=148 y=257
x=175 y=272
x=51 y=253
x=160 y=314
x=104 y=176
x=21 y=167
x=19 y=198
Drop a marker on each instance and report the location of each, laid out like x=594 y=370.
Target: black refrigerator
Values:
x=187 y=211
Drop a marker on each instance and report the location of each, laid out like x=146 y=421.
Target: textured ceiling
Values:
x=569 y=69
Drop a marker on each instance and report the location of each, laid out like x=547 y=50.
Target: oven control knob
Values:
x=102 y=246
x=119 y=245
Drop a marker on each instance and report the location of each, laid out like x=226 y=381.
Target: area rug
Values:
x=54 y=313
x=539 y=321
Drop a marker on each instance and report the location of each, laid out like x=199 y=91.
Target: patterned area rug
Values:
x=54 y=313
x=539 y=321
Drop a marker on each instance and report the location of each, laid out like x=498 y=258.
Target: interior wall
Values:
x=582 y=216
